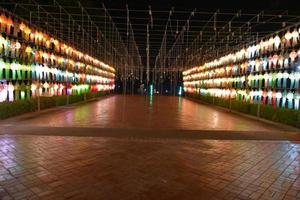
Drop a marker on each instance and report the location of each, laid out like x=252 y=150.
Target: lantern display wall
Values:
x=266 y=72
x=34 y=63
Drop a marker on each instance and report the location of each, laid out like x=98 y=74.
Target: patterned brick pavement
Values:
x=141 y=112
x=67 y=167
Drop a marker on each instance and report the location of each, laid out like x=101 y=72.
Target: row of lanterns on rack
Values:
x=11 y=49
x=273 y=80
x=276 y=98
x=23 y=31
x=16 y=71
x=33 y=63
x=266 y=72
x=275 y=62
x=10 y=91
x=256 y=50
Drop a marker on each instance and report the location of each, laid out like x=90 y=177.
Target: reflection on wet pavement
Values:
x=146 y=158
x=51 y=167
x=139 y=112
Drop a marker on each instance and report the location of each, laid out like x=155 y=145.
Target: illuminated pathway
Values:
x=141 y=112
x=142 y=156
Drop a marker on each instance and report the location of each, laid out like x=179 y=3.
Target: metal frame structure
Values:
x=79 y=28
x=176 y=40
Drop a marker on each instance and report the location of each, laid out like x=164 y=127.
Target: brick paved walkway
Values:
x=65 y=167
x=108 y=150
x=140 y=112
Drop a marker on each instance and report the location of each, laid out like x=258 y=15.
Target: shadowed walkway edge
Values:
x=150 y=133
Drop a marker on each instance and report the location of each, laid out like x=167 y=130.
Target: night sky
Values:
x=212 y=4
x=184 y=5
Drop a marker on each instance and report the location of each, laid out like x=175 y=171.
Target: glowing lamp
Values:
x=56 y=42
x=28 y=50
x=22 y=95
x=3 y=92
x=48 y=44
x=60 y=60
x=75 y=87
x=9 y=22
x=288 y=35
x=71 y=62
x=22 y=26
x=40 y=90
x=33 y=87
x=53 y=57
x=278 y=95
x=40 y=36
x=45 y=55
x=277 y=41
x=295 y=33
x=18 y=45
x=27 y=31
x=3 y=19
x=293 y=55
x=270 y=41
x=45 y=37
x=67 y=51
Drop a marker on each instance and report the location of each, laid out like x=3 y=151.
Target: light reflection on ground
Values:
x=146 y=112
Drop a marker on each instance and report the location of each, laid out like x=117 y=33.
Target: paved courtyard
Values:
x=142 y=112
x=130 y=147
x=55 y=167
